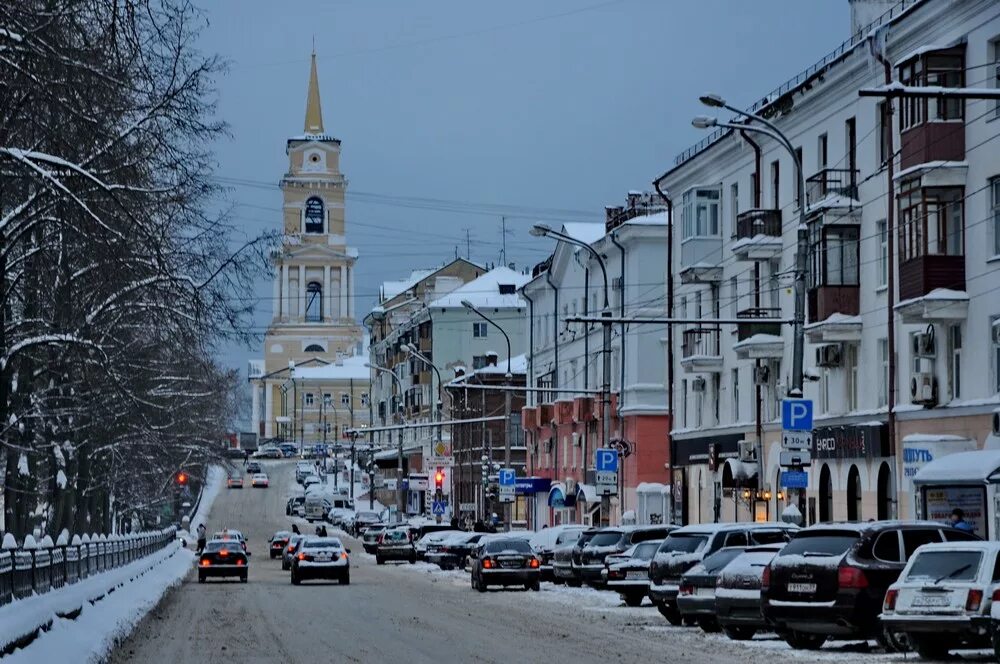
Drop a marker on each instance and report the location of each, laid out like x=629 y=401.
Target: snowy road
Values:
x=412 y=614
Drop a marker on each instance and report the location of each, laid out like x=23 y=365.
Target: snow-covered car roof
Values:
x=548 y=536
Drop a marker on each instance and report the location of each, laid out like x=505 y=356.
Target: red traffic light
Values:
x=182 y=478
x=438 y=479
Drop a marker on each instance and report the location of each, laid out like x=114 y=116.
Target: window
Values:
x=734 y=205
x=821 y=152
x=833 y=252
x=736 y=395
x=734 y=296
x=995 y=212
x=345 y=399
x=716 y=394
x=883 y=121
x=914 y=538
x=700 y=213
x=314 y=348
x=995 y=335
x=697 y=305
x=684 y=403
x=995 y=73
x=328 y=427
x=364 y=400
x=478 y=362
x=798 y=180
x=308 y=399
x=775 y=183
x=851 y=148
x=883 y=252
x=314 y=302
x=507 y=289
x=931 y=221
x=955 y=360
x=851 y=355
x=883 y=359
x=738 y=538
x=943 y=68
x=699 y=403
x=824 y=391
x=886 y=547
x=479 y=330
x=684 y=306
x=327 y=399
x=315 y=215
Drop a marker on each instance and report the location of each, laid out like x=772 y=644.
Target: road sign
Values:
x=794 y=479
x=795 y=458
x=797 y=414
x=506 y=477
x=319 y=449
x=438 y=508
x=796 y=440
x=440 y=461
x=605 y=477
x=506 y=493
x=466 y=507
x=606 y=459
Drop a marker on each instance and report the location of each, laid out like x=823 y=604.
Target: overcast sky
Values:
x=521 y=108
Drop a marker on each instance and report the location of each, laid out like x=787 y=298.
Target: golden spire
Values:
x=314 y=113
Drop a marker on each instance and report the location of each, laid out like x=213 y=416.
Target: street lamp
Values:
x=541 y=230
x=399 y=441
x=507 y=397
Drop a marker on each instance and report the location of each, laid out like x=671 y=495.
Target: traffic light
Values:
x=439 y=479
x=182 y=478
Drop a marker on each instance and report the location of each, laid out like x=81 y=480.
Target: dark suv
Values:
x=830 y=580
x=609 y=541
x=686 y=547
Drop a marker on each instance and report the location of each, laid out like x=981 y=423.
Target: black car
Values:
x=277 y=543
x=686 y=547
x=453 y=551
x=696 y=593
x=253 y=467
x=610 y=541
x=566 y=559
x=830 y=580
x=362 y=521
x=223 y=558
x=737 y=593
x=505 y=561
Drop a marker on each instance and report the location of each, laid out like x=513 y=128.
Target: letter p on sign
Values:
x=797 y=415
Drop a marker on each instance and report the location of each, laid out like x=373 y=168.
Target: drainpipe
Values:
x=555 y=330
x=670 y=330
x=621 y=367
x=530 y=378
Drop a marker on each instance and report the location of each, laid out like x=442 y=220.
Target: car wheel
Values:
x=739 y=633
x=413 y=560
x=708 y=625
x=295 y=578
x=996 y=643
x=481 y=586
x=929 y=647
x=201 y=578
x=803 y=641
x=536 y=586
x=893 y=641
x=345 y=580
x=284 y=566
x=633 y=599
x=672 y=615
x=243 y=578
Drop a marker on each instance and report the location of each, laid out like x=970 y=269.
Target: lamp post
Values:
x=399 y=441
x=507 y=397
x=541 y=230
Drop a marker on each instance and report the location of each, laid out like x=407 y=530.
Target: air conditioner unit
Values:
x=923 y=388
x=747 y=450
x=698 y=384
x=577 y=439
x=762 y=375
x=923 y=344
x=828 y=355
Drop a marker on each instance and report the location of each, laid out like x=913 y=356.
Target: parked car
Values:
x=303 y=468
x=370 y=538
x=395 y=544
x=316 y=506
x=563 y=558
x=268 y=453
x=278 y=542
x=296 y=506
x=505 y=561
x=310 y=480
x=944 y=596
x=321 y=558
x=737 y=593
x=234 y=482
x=223 y=558
x=361 y=522
x=260 y=481
x=831 y=579
x=253 y=467
x=686 y=547
x=628 y=574
x=608 y=541
x=696 y=592
x=545 y=541
x=452 y=550
x=289 y=450
x=421 y=543
x=290 y=550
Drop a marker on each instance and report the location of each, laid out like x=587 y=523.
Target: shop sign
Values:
x=851 y=441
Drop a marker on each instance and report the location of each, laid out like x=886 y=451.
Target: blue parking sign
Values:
x=606 y=460
x=506 y=477
x=797 y=414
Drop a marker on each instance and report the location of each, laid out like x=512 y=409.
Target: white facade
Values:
x=748 y=268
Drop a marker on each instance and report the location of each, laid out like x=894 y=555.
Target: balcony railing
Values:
x=747 y=330
x=831 y=181
x=700 y=341
x=751 y=223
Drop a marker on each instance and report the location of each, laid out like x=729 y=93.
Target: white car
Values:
x=427 y=540
x=259 y=481
x=943 y=598
x=310 y=480
x=321 y=558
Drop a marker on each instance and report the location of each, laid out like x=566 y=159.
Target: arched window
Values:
x=314 y=348
x=853 y=494
x=825 y=495
x=314 y=302
x=315 y=215
x=884 y=492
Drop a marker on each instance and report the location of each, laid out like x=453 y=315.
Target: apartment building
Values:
x=736 y=196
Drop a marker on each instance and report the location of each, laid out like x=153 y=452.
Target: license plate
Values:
x=323 y=557
x=705 y=592
x=637 y=575
x=931 y=600
x=801 y=587
x=510 y=563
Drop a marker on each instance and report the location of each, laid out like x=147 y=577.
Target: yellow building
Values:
x=313 y=334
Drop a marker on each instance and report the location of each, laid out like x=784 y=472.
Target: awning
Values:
x=587 y=492
x=651 y=487
x=977 y=466
x=737 y=473
x=557 y=496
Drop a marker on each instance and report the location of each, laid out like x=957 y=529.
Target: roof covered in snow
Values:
x=485 y=291
x=350 y=368
x=391 y=289
x=968 y=467
x=518 y=365
x=584 y=231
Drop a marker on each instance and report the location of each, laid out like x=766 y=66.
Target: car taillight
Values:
x=343 y=554
x=765 y=579
x=686 y=589
x=851 y=577
x=533 y=563
x=890 y=600
x=652 y=569
x=303 y=556
x=974 y=600
x=223 y=553
x=239 y=562
x=487 y=563
x=616 y=574
x=204 y=562
x=996 y=595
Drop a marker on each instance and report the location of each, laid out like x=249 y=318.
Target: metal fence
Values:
x=35 y=568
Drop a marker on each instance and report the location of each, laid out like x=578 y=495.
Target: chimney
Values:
x=612 y=216
x=459 y=371
x=491 y=358
x=865 y=12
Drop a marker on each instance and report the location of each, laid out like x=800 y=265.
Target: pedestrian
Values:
x=957 y=520
x=201 y=537
x=295 y=529
x=324 y=533
x=319 y=532
x=479 y=527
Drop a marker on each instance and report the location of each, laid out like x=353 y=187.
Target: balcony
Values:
x=700 y=350
x=746 y=330
x=825 y=301
x=932 y=288
x=699 y=254
x=758 y=234
x=831 y=183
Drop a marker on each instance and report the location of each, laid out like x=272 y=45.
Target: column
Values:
x=268 y=410
x=327 y=310
x=350 y=292
x=302 y=292
x=255 y=408
x=284 y=292
x=343 y=291
x=276 y=297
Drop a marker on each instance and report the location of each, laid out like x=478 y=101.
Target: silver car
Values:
x=321 y=558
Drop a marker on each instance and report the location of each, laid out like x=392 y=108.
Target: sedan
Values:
x=296 y=506
x=453 y=550
x=370 y=538
x=290 y=550
x=278 y=542
x=737 y=593
x=321 y=558
x=253 y=467
x=505 y=561
x=629 y=577
x=234 y=482
x=696 y=592
x=395 y=544
x=259 y=481
x=223 y=558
